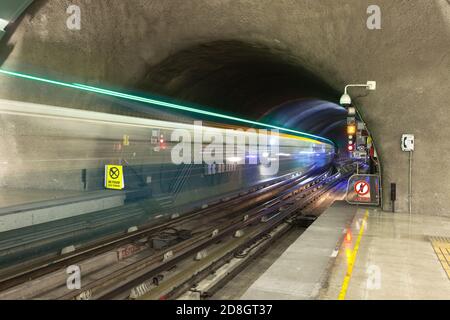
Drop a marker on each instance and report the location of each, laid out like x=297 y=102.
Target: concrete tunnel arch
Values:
x=328 y=40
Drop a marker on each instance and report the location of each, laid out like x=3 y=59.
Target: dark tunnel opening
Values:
x=252 y=81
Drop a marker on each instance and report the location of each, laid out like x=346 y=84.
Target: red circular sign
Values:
x=362 y=187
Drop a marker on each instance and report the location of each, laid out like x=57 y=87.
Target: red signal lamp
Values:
x=162 y=143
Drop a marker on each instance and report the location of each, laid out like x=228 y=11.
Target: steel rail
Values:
x=257 y=236
x=256 y=194
x=120 y=279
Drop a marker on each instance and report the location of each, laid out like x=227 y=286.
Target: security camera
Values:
x=345 y=100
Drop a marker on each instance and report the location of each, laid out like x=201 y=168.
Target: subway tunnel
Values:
x=283 y=63
x=127 y=52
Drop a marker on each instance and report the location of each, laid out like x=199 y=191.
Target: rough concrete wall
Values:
x=409 y=58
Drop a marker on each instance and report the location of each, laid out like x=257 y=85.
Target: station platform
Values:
x=298 y=273
x=357 y=253
x=399 y=257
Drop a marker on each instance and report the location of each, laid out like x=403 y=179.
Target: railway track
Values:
x=31 y=270
x=106 y=275
x=203 y=279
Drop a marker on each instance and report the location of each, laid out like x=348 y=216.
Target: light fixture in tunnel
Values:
x=283 y=154
x=234 y=159
x=163 y=104
x=351 y=130
x=351 y=111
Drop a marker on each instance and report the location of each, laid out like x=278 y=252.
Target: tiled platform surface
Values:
x=395 y=259
x=301 y=270
x=441 y=246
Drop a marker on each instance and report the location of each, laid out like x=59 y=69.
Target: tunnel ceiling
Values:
x=242 y=78
x=408 y=57
x=248 y=80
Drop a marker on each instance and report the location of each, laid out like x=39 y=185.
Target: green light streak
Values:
x=160 y=103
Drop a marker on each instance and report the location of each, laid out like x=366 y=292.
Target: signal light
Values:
x=162 y=144
x=351 y=111
x=350 y=147
x=351 y=129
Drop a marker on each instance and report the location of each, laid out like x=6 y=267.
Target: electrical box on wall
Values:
x=407 y=142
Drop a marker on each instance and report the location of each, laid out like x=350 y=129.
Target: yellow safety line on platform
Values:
x=441 y=246
x=352 y=259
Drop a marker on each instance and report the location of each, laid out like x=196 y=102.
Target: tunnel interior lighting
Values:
x=161 y=103
x=273 y=141
x=351 y=111
x=234 y=159
x=351 y=130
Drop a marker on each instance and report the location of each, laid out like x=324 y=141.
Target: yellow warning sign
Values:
x=114 y=177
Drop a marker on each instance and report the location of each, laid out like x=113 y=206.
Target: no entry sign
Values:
x=362 y=188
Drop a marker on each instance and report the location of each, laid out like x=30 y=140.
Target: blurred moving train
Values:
x=49 y=153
